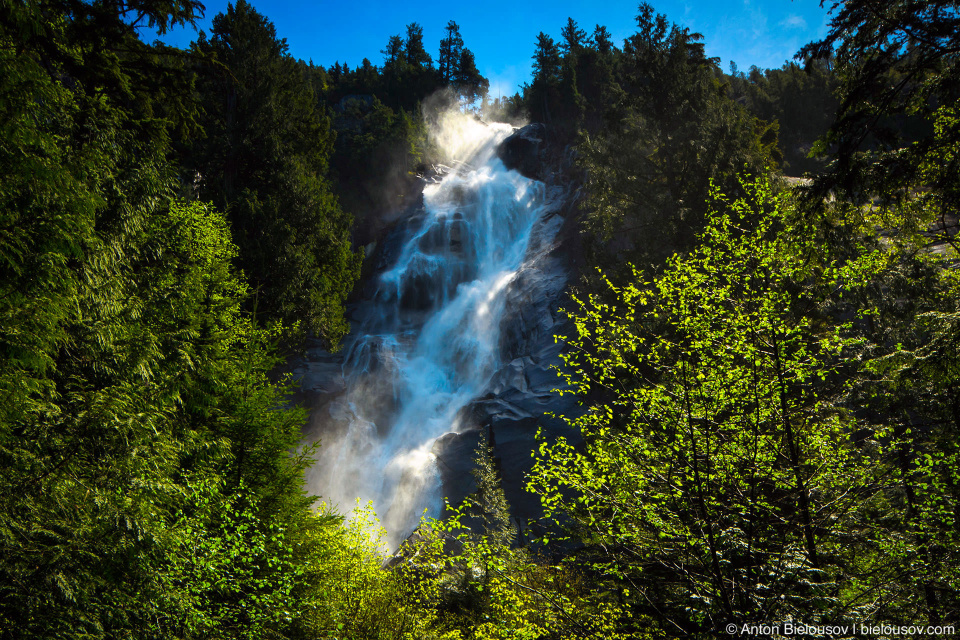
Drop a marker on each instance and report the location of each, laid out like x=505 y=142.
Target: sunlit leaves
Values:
x=713 y=473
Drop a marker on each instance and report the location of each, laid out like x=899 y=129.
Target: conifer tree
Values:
x=264 y=160
x=572 y=37
x=451 y=50
x=413 y=47
x=546 y=77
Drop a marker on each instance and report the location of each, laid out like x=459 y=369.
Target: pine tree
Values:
x=572 y=38
x=413 y=47
x=264 y=160
x=451 y=51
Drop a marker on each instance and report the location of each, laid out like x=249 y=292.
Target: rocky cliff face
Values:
x=522 y=390
x=525 y=151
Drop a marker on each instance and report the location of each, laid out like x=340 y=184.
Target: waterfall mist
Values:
x=428 y=341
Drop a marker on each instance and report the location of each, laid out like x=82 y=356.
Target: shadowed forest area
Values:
x=769 y=367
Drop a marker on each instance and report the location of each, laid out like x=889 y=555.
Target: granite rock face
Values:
x=523 y=391
x=524 y=150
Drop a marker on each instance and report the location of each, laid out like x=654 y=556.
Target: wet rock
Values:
x=509 y=376
x=522 y=150
x=458 y=232
x=534 y=301
x=418 y=292
x=455 y=454
x=321 y=376
x=491 y=407
x=317 y=374
x=433 y=241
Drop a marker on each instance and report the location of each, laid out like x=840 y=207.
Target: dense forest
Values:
x=769 y=367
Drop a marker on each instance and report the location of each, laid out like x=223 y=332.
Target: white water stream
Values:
x=431 y=342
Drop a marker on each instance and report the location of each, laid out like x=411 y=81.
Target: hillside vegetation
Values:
x=771 y=375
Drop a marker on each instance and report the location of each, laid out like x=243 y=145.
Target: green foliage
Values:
x=653 y=126
x=801 y=100
x=380 y=118
x=264 y=160
x=885 y=205
x=773 y=420
x=147 y=484
x=898 y=71
x=147 y=479
x=376 y=157
x=352 y=595
x=408 y=77
x=714 y=478
x=906 y=396
x=232 y=576
x=546 y=78
x=492 y=590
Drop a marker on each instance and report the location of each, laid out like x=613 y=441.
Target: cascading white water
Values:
x=430 y=343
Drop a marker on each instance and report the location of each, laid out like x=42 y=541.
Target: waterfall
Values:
x=428 y=342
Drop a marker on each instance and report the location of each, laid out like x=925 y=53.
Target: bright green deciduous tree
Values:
x=713 y=479
x=354 y=596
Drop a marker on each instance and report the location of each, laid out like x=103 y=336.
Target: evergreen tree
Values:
x=597 y=81
x=422 y=79
x=138 y=431
x=451 y=51
x=413 y=47
x=546 y=78
x=366 y=78
x=468 y=82
x=799 y=99
x=457 y=66
x=650 y=166
x=264 y=161
x=394 y=53
x=900 y=75
x=601 y=40
x=572 y=38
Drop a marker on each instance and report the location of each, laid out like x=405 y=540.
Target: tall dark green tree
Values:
x=144 y=455
x=451 y=48
x=800 y=99
x=601 y=40
x=264 y=160
x=413 y=47
x=650 y=166
x=544 y=90
x=468 y=82
x=422 y=78
x=457 y=66
x=899 y=69
x=394 y=52
x=572 y=37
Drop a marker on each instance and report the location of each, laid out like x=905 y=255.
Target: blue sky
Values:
x=502 y=33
